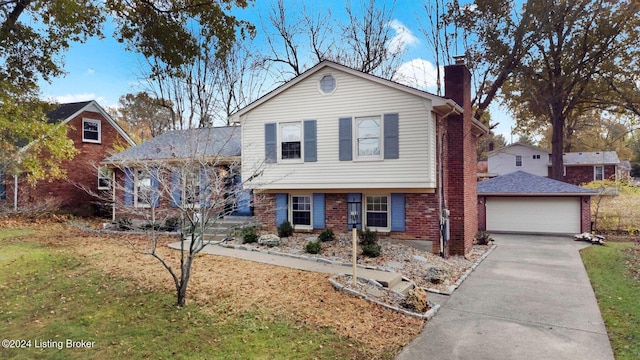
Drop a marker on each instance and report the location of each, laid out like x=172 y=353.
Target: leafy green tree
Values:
x=34 y=35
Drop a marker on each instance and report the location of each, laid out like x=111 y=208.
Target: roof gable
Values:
x=185 y=144
x=516 y=145
x=523 y=183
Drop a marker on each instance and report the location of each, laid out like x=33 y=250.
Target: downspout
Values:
x=441 y=198
x=15 y=193
x=113 y=198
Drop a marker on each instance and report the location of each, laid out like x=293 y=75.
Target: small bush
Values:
x=371 y=250
x=124 y=224
x=326 y=235
x=150 y=226
x=285 y=229
x=171 y=224
x=368 y=237
x=483 y=238
x=313 y=247
x=248 y=234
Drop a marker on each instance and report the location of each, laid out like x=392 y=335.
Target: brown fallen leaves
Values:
x=228 y=286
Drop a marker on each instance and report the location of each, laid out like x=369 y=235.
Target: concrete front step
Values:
x=403 y=287
x=390 y=280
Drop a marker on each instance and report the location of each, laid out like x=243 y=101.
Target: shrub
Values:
x=483 y=238
x=248 y=234
x=313 y=247
x=326 y=235
x=371 y=250
x=285 y=229
x=368 y=237
x=150 y=226
x=124 y=224
x=171 y=224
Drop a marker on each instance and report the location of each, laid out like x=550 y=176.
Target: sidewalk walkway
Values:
x=530 y=299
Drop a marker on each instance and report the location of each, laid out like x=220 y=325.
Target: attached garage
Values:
x=524 y=203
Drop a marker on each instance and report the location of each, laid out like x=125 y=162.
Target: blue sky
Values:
x=102 y=70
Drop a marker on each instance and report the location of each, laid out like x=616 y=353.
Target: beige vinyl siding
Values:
x=354 y=97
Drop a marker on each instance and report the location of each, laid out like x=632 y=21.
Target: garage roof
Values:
x=522 y=183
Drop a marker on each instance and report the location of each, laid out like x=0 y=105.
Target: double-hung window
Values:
x=104 y=178
x=191 y=188
x=291 y=141
x=377 y=212
x=368 y=137
x=142 y=188
x=91 y=131
x=598 y=173
x=301 y=211
x=518 y=160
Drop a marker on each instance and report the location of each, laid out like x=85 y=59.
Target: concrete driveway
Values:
x=529 y=299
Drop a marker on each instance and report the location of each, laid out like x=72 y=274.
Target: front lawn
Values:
x=60 y=283
x=614 y=273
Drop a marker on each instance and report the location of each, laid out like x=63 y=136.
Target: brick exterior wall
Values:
x=81 y=171
x=579 y=175
x=585 y=213
x=264 y=210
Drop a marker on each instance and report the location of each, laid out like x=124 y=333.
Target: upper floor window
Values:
x=518 y=160
x=91 y=131
x=598 y=173
x=104 y=178
x=291 y=141
x=327 y=84
x=368 y=135
x=536 y=156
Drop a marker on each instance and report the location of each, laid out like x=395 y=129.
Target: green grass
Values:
x=14 y=233
x=49 y=294
x=618 y=296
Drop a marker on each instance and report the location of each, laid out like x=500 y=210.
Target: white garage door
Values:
x=534 y=214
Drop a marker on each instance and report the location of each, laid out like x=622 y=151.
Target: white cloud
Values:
x=403 y=37
x=91 y=71
x=418 y=73
x=69 y=98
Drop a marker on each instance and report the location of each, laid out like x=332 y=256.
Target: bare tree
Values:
x=183 y=181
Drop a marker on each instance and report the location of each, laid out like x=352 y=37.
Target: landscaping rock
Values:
x=395 y=265
x=416 y=300
x=436 y=275
x=269 y=240
x=420 y=258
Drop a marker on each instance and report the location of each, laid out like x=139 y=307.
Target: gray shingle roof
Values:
x=63 y=111
x=523 y=183
x=185 y=144
x=589 y=158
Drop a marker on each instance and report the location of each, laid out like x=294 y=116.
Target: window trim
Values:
x=536 y=156
x=136 y=179
x=356 y=156
x=335 y=84
x=104 y=173
x=365 y=202
x=183 y=189
x=99 y=123
x=518 y=160
x=290 y=211
x=595 y=172
x=280 y=139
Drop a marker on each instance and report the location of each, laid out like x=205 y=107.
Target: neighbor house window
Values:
x=192 y=188
x=104 y=178
x=368 y=135
x=142 y=190
x=301 y=211
x=518 y=160
x=291 y=141
x=598 y=172
x=536 y=157
x=377 y=211
x=91 y=131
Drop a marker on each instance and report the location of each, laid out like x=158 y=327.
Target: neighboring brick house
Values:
x=181 y=169
x=95 y=135
x=584 y=167
x=335 y=141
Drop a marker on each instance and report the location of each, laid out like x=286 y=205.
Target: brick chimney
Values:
x=461 y=159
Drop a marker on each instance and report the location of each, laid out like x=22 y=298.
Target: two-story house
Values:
x=518 y=157
x=335 y=146
x=95 y=135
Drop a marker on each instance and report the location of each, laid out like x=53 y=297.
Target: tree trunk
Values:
x=557 y=124
x=184 y=282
